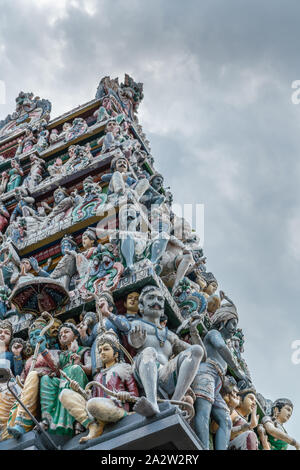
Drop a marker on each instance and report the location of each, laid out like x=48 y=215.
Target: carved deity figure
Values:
x=74 y=361
x=19 y=422
x=11 y=352
x=94 y=413
x=243 y=436
x=155 y=345
x=271 y=431
x=208 y=381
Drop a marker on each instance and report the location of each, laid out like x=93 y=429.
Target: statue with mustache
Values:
x=155 y=344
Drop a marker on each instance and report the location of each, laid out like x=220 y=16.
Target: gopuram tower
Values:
x=111 y=326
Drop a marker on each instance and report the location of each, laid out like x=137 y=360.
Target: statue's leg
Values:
x=20 y=422
x=158 y=247
x=146 y=370
x=127 y=250
x=6 y=402
x=185 y=261
x=222 y=418
x=185 y=365
x=76 y=405
x=201 y=420
x=118 y=183
x=141 y=187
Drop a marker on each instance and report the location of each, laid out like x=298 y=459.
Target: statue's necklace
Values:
x=161 y=340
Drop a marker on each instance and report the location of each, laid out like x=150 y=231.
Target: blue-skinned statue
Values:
x=209 y=378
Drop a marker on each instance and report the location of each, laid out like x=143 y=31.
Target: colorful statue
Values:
x=271 y=430
x=155 y=346
x=66 y=267
x=74 y=361
x=208 y=381
x=94 y=413
x=90 y=327
x=11 y=352
x=15 y=175
x=242 y=435
x=80 y=157
x=79 y=127
x=40 y=364
x=4 y=217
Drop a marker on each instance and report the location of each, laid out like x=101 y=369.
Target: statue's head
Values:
x=25 y=263
x=53 y=330
x=119 y=163
x=108 y=347
x=59 y=195
x=229 y=392
x=67 y=333
x=156 y=181
x=132 y=303
x=282 y=410
x=225 y=319
x=89 y=238
x=6 y=332
x=247 y=401
x=151 y=302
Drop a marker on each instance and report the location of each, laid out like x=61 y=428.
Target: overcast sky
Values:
x=224 y=132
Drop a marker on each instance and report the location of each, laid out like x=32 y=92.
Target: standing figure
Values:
x=208 y=381
x=13 y=354
x=35 y=175
x=66 y=267
x=15 y=176
x=271 y=430
x=74 y=361
x=94 y=413
x=46 y=363
x=89 y=329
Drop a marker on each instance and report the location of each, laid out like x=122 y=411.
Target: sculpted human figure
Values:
x=24 y=274
x=25 y=205
x=46 y=363
x=177 y=257
x=271 y=431
x=120 y=180
x=62 y=204
x=74 y=361
x=35 y=175
x=242 y=435
x=12 y=352
x=15 y=175
x=155 y=345
x=66 y=267
x=94 y=413
x=4 y=217
x=208 y=381
x=89 y=328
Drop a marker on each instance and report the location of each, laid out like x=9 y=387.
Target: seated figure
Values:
x=94 y=413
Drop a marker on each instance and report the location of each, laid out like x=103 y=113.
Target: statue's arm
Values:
x=278 y=434
x=120 y=322
x=216 y=340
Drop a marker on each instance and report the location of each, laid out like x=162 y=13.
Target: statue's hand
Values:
x=34 y=264
x=138 y=336
x=17 y=349
x=82 y=328
x=43 y=344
